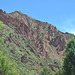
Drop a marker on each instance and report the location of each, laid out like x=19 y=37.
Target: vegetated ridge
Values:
x=32 y=44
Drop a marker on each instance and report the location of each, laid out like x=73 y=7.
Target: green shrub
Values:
x=46 y=71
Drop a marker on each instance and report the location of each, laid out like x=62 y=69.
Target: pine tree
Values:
x=69 y=60
x=68 y=66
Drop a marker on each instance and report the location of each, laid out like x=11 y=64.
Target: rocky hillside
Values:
x=31 y=42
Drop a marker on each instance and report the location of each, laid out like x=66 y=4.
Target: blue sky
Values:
x=60 y=13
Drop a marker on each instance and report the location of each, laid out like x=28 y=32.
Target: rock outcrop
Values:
x=41 y=34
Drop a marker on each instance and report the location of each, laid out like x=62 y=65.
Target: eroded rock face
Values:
x=41 y=34
x=59 y=43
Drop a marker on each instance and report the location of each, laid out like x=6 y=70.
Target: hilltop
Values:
x=32 y=44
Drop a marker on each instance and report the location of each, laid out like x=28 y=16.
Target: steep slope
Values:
x=31 y=43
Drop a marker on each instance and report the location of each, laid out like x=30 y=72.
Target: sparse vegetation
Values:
x=28 y=45
x=6 y=67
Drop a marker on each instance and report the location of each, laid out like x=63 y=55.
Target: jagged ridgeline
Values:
x=32 y=44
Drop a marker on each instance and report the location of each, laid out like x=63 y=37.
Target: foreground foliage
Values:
x=6 y=67
x=68 y=67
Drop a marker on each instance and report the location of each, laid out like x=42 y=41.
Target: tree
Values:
x=69 y=59
x=68 y=66
x=46 y=71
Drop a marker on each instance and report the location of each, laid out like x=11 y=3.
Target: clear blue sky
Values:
x=60 y=13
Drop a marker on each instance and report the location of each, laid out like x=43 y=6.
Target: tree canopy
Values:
x=68 y=66
x=69 y=60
